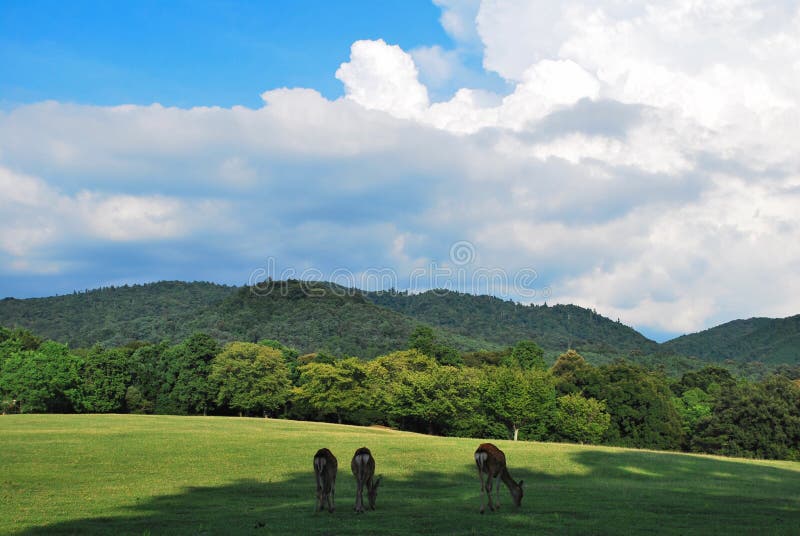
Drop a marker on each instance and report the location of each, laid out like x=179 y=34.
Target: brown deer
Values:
x=492 y=462
x=325 y=467
x=363 y=467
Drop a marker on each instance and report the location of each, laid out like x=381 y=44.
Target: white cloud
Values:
x=643 y=161
x=383 y=77
x=36 y=216
x=458 y=19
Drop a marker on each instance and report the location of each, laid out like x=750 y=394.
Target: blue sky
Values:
x=192 y=53
x=574 y=152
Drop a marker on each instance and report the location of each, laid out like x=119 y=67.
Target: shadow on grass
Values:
x=624 y=492
x=632 y=492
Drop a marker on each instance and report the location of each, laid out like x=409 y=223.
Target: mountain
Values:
x=308 y=316
x=114 y=316
x=314 y=316
x=555 y=328
x=768 y=340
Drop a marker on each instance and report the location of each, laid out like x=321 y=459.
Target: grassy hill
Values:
x=769 y=340
x=128 y=474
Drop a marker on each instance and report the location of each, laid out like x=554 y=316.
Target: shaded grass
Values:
x=121 y=474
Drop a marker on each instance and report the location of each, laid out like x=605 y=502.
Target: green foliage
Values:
x=707 y=379
x=640 y=404
x=251 y=378
x=753 y=420
x=434 y=397
x=520 y=398
x=113 y=316
x=573 y=374
x=625 y=404
x=192 y=392
x=692 y=406
x=423 y=339
x=767 y=340
x=526 y=355
x=580 y=420
x=337 y=388
x=106 y=375
x=506 y=322
x=317 y=316
x=44 y=379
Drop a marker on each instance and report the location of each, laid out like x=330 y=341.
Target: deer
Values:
x=492 y=462
x=363 y=467
x=325 y=467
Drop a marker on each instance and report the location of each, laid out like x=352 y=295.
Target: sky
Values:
x=640 y=159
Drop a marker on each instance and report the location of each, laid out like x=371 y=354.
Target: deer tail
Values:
x=319 y=467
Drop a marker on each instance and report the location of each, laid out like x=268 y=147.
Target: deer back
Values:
x=490 y=459
x=325 y=467
x=363 y=465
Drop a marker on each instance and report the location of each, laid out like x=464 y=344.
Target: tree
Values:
x=149 y=369
x=251 y=378
x=434 y=396
x=579 y=419
x=526 y=355
x=290 y=356
x=640 y=404
x=337 y=388
x=192 y=391
x=424 y=340
x=708 y=379
x=42 y=380
x=106 y=376
x=692 y=406
x=572 y=373
x=520 y=398
x=760 y=420
x=414 y=390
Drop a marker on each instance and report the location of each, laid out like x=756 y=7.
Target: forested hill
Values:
x=114 y=316
x=554 y=328
x=307 y=316
x=325 y=317
x=768 y=340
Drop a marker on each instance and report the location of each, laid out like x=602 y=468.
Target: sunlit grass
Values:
x=120 y=474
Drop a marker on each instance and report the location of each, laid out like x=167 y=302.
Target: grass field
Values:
x=121 y=474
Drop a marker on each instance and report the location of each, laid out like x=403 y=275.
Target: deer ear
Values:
x=520 y=483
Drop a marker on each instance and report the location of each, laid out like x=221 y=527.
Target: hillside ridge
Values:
x=321 y=316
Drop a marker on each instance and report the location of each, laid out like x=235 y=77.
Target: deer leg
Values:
x=332 y=499
x=489 y=492
x=483 y=490
x=359 y=499
x=497 y=492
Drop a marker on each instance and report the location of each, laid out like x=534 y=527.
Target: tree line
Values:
x=427 y=388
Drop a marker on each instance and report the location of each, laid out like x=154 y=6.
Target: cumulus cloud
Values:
x=642 y=160
x=37 y=216
x=383 y=77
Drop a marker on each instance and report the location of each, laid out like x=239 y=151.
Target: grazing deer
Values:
x=325 y=466
x=363 y=467
x=491 y=461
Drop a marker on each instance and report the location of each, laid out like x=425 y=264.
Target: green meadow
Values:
x=128 y=474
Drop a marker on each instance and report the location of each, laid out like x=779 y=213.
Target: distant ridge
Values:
x=318 y=316
x=555 y=328
x=768 y=340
